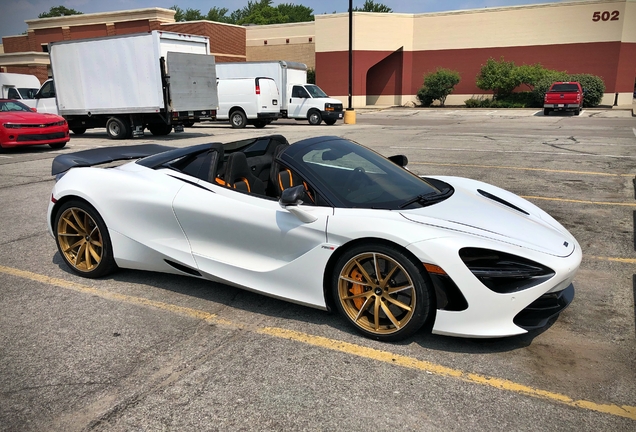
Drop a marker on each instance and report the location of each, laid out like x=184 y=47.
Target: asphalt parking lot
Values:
x=147 y=351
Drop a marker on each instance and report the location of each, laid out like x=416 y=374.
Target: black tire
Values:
x=357 y=302
x=57 y=145
x=238 y=120
x=117 y=129
x=82 y=240
x=577 y=111
x=259 y=124
x=330 y=122
x=314 y=118
x=160 y=129
x=78 y=131
x=546 y=111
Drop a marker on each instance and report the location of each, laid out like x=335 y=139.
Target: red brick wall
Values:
x=600 y=59
x=39 y=71
x=223 y=39
x=88 y=31
x=44 y=36
x=16 y=44
x=141 y=26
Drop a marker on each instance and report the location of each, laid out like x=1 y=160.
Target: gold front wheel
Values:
x=381 y=292
x=82 y=240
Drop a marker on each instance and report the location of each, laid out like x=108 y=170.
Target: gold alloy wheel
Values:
x=80 y=239
x=377 y=293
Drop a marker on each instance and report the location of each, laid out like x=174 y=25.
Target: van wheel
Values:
x=116 y=128
x=314 y=118
x=238 y=119
x=79 y=131
x=330 y=122
x=260 y=124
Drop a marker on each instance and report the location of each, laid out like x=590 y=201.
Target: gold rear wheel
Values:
x=82 y=240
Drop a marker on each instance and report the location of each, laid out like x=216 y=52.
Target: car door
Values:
x=248 y=240
x=46 y=100
x=298 y=106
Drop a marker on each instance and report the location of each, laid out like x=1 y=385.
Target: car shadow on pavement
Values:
x=223 y=296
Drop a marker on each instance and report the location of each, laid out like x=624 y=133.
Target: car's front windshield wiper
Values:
x=428 y=199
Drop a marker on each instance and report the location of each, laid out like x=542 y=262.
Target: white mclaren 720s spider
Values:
x=324 y=222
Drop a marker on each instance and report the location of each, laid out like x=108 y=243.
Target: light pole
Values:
x=350 y=114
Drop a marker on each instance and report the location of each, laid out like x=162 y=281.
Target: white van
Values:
x=18 y=86
x=244 y=101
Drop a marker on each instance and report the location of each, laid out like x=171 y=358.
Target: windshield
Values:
x=28 y=93
x=315 y=91
x=13 y=106
x=564 y=88
x=355 y=176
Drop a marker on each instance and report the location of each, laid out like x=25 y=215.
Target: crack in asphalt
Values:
x=26 y=184
x=30 y=236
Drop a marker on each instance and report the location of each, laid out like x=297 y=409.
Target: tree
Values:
x=371 y=6
x=296 y=13
x=218 y=15
x=498 y=76
x=57 y=11
x=437 y=86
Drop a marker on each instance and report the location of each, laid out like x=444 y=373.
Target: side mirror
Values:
x=34 y=109
x=292 y=196
x=400 y=160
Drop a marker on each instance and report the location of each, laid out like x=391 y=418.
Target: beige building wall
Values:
x=290 y=42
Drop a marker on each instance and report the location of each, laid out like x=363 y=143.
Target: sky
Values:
x=15 y=12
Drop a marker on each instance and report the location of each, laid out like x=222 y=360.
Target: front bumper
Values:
x=33 y=136
x=543 y=309
x=332 y=115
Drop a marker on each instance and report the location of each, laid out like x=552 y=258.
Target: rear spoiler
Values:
x=87 y=158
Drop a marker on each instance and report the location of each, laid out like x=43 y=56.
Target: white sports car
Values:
x=324 y=222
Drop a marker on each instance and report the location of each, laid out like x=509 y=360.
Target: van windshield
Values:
x=315 y=91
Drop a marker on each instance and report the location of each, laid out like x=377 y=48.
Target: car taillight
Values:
x=258 y=89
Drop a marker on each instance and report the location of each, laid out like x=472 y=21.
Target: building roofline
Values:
x=202 y=21
x=156 y=13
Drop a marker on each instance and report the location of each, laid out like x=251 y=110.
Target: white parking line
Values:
x=512 y=151
x=634 y=130
x=6 y=157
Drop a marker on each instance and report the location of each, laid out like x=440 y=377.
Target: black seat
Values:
x=239 y=176
x=281 y=178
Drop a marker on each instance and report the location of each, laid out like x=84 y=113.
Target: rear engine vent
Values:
x=501 y=201
x=504 y=273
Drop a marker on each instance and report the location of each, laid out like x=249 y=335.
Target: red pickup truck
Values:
x=563 y=96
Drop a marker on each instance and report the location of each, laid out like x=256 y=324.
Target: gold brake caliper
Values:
x=357 y=289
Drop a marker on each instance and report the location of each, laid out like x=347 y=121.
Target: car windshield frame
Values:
x=350 y=175
x=23 y=107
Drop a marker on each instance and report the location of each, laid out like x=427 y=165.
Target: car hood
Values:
x=488 y=211
x=28 y=117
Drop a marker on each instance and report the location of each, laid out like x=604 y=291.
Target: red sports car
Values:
x=20 y=126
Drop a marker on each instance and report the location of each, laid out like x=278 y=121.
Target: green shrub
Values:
x=437 y=86
x=593 y=88
x=311 y=76
x=543 y=85
x=498 y=76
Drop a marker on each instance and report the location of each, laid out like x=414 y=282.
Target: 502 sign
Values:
x=605 y=16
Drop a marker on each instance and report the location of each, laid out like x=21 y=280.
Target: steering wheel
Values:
x=356 y=179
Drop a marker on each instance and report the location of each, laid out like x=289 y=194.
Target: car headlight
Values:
x=11 y=126
x=329 y=107
x=502 y=272
x=60 y=123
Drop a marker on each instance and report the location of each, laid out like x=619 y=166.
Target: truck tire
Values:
x=260 y=124
x=238 y=120
x=160 y=129
x=546 y=111
x=330 y=122
x=78 y=131
x=577 y=111
x=314 y=118
x=117 y=129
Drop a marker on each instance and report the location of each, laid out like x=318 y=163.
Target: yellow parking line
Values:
x=524 y=169
x=608 y=203
x=620 y=260
x=339 y=346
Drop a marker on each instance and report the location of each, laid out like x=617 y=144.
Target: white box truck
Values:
x=245 y=101
x=21 y=87
x=299 y=100
x=157 y=80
